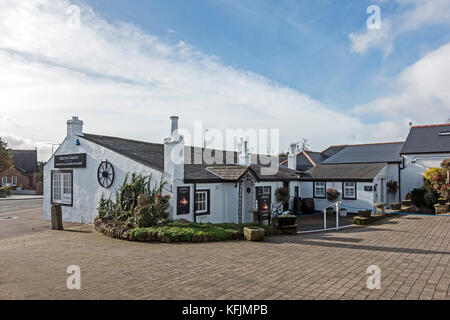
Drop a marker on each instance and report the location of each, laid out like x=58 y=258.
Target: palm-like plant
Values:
x=282 y=195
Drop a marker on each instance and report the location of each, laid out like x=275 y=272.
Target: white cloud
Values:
x=422 y=91
x=414 y=14
x=125 y=82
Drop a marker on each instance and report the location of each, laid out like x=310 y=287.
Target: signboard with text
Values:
x=70 y=161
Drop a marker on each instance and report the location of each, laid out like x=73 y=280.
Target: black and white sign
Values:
x=70 y=161
x=368 y=188
x=183 y=197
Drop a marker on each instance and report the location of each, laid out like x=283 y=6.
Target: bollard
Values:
x=57 y=223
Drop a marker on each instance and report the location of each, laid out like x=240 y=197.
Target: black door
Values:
x=286 y=205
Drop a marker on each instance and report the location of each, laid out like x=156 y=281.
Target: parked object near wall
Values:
x=57 y=223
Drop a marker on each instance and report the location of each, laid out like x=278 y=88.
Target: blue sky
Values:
x=300 y=44
x=310 y=69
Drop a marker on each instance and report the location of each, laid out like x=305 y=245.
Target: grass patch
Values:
x=194 y=232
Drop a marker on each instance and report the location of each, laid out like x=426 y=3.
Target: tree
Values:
x=5 y=156
x=305 y=145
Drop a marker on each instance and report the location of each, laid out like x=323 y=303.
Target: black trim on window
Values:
x=325 y=190
x=208 y=202
x=51 y=187
x=343 y=190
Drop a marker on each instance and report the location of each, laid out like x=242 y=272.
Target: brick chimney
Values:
x=74 y=127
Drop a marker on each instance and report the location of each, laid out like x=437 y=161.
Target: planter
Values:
x=3 y=193
x=396 y=206
x=286 y=221
x=407 y=203
x=342 y=212
x=440 y=209
x=364 y=213
x=442 y=201
x=254 y=233
x=19 y=189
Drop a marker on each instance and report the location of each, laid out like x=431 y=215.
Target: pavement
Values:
x=412 y=253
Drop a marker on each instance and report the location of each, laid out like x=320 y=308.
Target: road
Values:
x=8 y=206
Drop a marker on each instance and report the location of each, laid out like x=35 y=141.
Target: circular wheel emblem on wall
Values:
x=105 y=174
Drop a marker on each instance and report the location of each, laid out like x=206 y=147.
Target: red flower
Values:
x=158 y=195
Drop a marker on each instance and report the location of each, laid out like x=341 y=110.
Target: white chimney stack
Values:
x=174 y=127
x=244 y=156
x=74 y=126
x=292 y=157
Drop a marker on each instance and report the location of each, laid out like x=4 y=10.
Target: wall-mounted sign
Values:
x=70 y=160
x=183 y=197
x=368 y=188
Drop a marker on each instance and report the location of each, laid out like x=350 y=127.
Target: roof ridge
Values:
x=431 y=125
x=361 y=144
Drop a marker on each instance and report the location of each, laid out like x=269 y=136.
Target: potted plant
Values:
x=396 y=206
x=19 y=187
x=286 y=220
x=364 y=213
x=282 y=195
x=332 y=194
x=392 y=186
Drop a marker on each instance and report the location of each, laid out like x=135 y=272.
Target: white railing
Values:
x=337 y=203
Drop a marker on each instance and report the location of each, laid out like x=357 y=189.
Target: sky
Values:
x=312 y=69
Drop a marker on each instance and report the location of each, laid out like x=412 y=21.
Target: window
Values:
x=349 y=190
x=62 y=187
x=14 y=181
x=4 y=181
x=319 y=190
x=202 y=202
x=263 y=191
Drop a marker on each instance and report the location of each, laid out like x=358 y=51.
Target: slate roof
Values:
x=231 y=172
x=367 y=153
x=427 y=139
x=146 y=153
x=344 y=172
x=24 y=160
x=332 y=150
x=152 y=155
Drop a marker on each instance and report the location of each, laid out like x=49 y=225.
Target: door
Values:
x=286 y=205
x=248 y=201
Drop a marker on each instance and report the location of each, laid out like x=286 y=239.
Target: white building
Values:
x=87 y=167
x=358 y=172
x=426 y=147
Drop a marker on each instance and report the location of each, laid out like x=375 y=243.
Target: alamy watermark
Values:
x=374 y=20
x=74 y=19
x=73 y=282
x=231 y=146
x=374 y=280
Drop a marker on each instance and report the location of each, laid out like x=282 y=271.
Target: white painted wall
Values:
x=364 y=199
x=415 y=166
x=87 y=192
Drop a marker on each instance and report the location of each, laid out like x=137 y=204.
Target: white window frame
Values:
x=14 y=183
x=202 y=202
x=4 y=181
x=62 y=187
x=348 y=185
x=323 y=185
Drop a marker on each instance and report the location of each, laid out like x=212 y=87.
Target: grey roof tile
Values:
x=427 y=139
x=367 y=153
x=346 y=171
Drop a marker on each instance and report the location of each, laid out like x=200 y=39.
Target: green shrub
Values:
x=188 y=232
x=106 y=209
x=418 y=197
x=431 y=198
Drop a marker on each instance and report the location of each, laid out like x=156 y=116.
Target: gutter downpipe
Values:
x=195 y=205
x=400 y=179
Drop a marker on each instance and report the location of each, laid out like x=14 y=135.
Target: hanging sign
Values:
x=70 y=161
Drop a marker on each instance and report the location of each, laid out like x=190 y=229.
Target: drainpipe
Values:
x=195 y=204
x=401 y=166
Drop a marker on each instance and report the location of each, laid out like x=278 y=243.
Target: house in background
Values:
x=23 y=172
x=358 y=172
x=87 y=167
x=425 y=147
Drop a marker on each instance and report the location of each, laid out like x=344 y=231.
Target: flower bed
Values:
x=178 y=231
